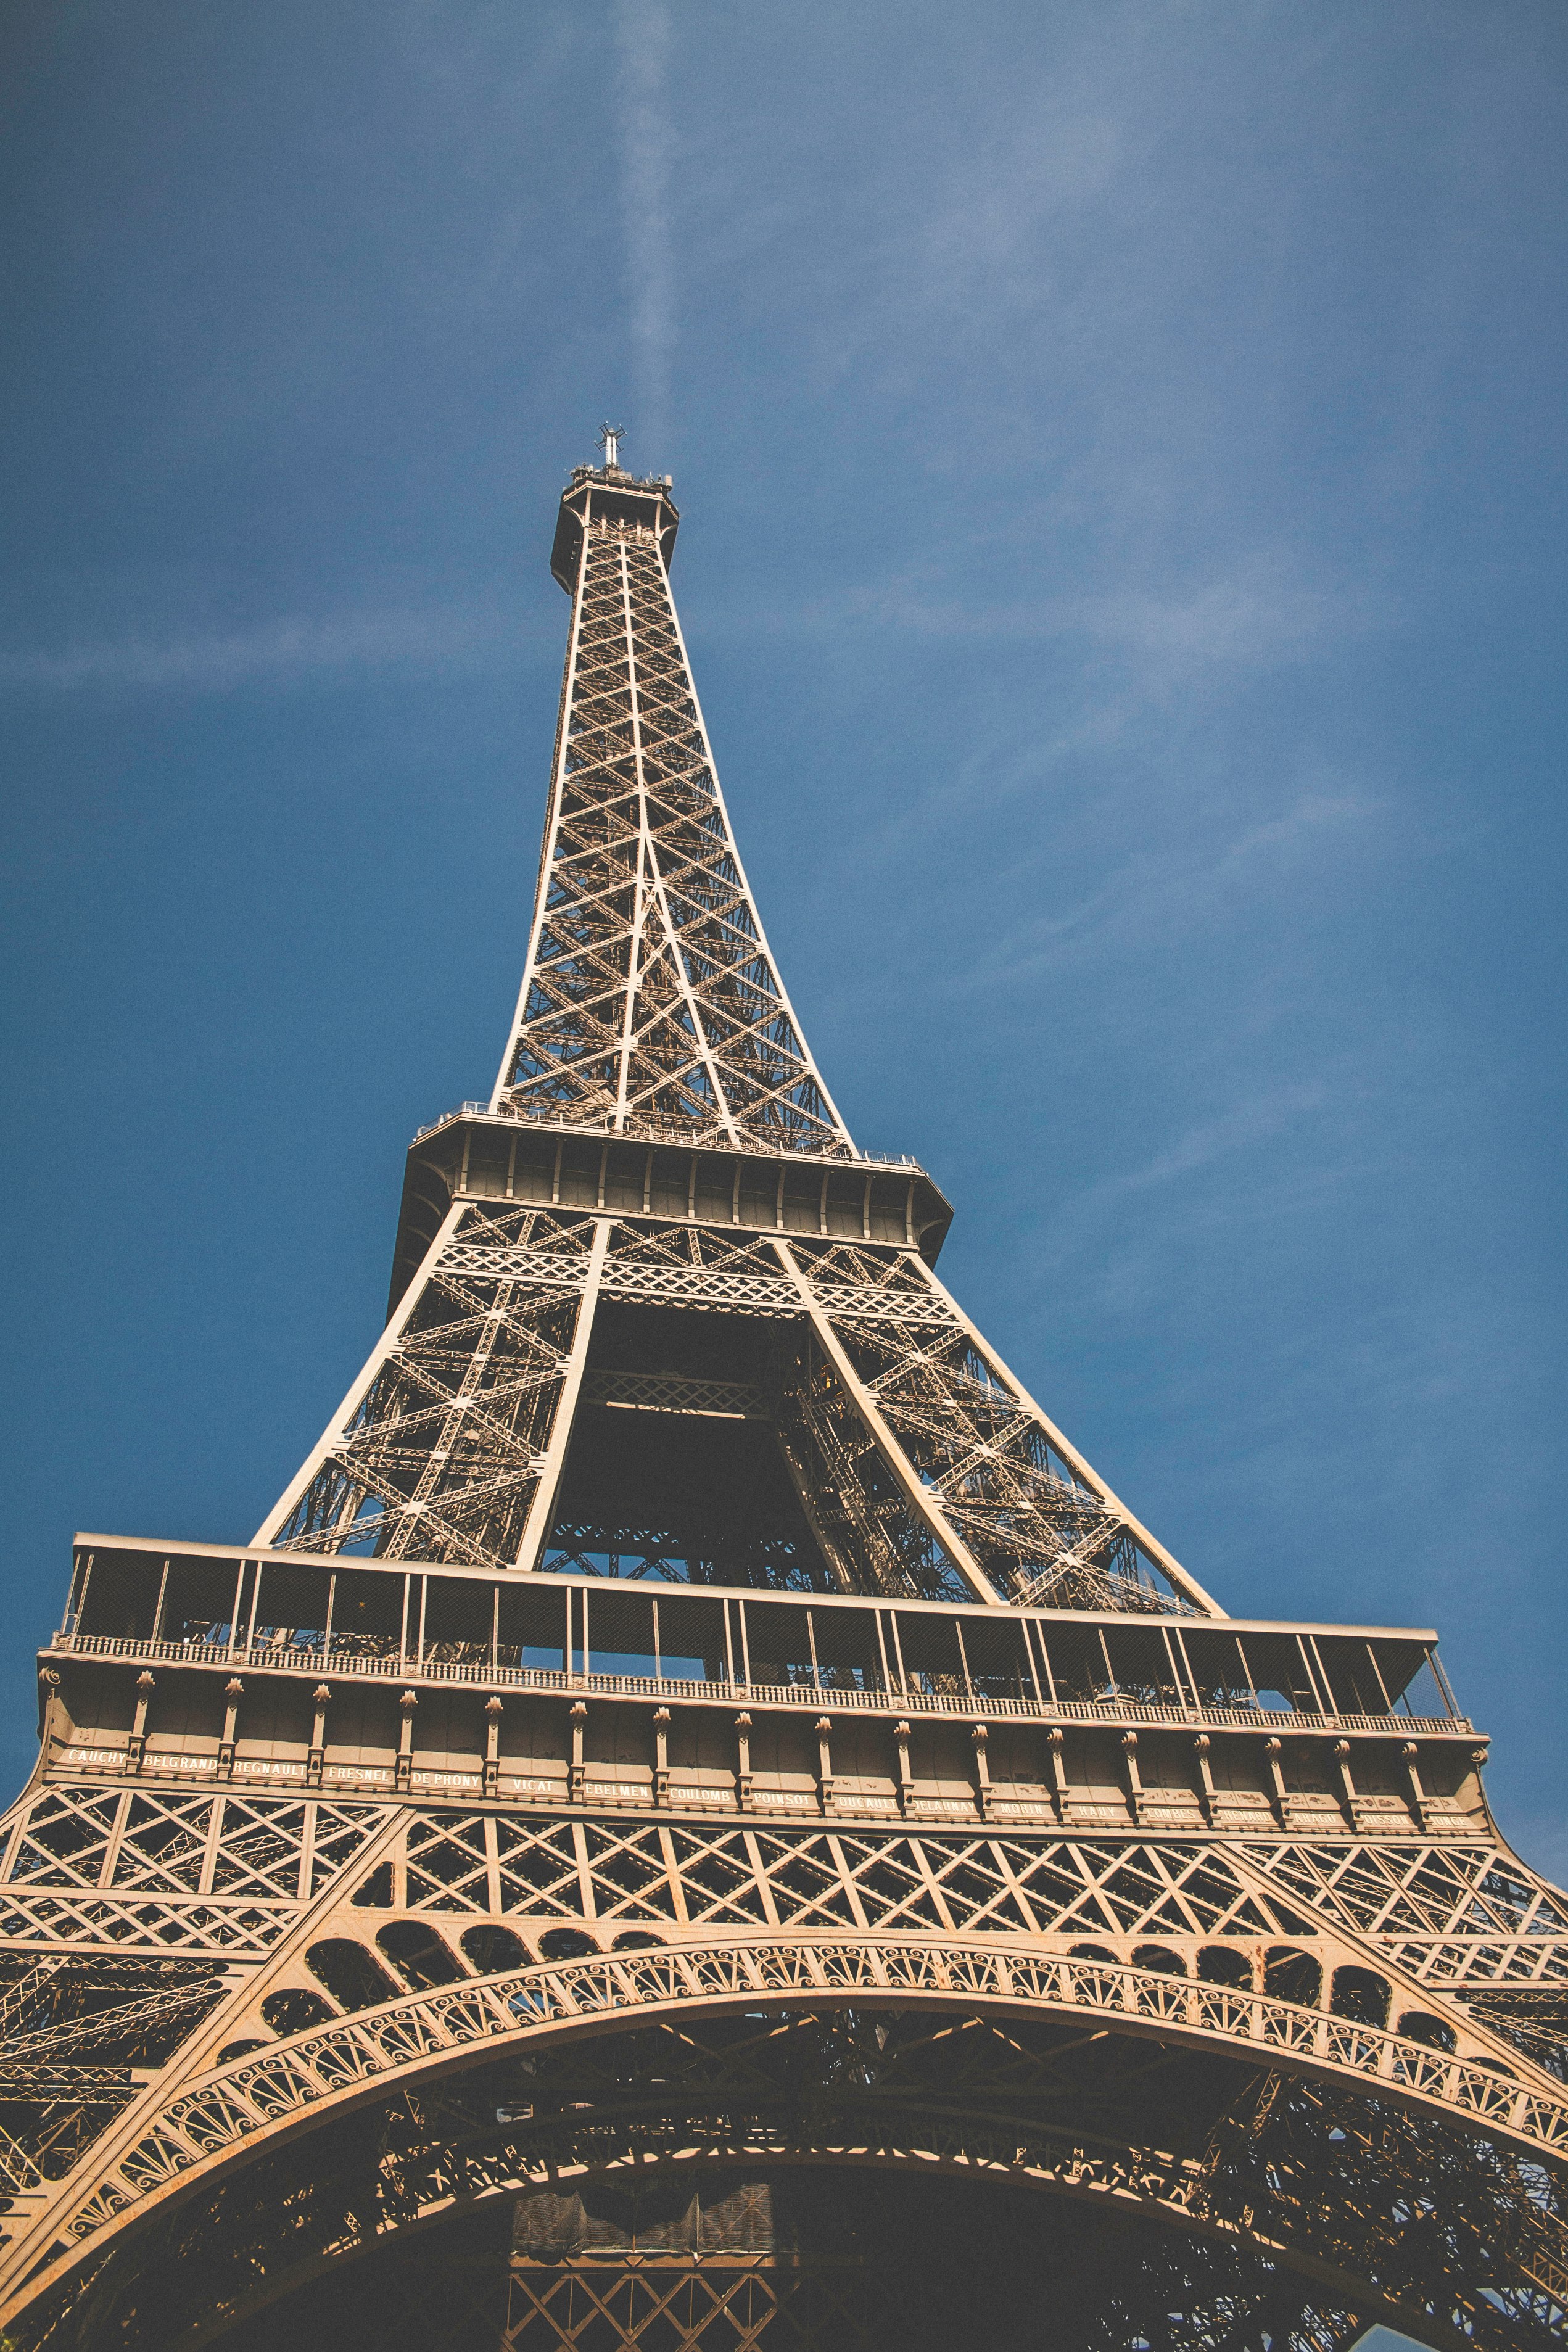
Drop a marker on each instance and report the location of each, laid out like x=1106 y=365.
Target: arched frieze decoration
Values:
x=272 y=2096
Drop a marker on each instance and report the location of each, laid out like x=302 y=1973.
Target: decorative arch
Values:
x=240 y=2114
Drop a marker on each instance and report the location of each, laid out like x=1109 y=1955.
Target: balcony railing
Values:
x=318 y=1658
x=686 y=1136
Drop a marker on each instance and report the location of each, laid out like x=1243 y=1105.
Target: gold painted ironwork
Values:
x=701 y=1820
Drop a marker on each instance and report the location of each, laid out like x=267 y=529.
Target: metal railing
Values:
x=684 y=1138
x=481 y=1673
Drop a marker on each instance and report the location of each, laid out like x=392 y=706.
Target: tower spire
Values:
x=650 y=1002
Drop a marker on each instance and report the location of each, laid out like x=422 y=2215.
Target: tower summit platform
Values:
x=610 y=496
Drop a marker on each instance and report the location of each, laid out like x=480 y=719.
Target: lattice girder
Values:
x=1458 y=1915
x=437 y=1451
x=650 y=1001
x=892 y=2283
x=178 y=2138
x=920 y=1468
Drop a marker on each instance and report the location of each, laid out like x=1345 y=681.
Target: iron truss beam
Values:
x=1277 y=2186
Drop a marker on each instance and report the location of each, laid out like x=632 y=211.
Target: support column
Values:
x=1130 y=1774
x=983 y=1794
x=300 y=1486
x=825 y=1762
x=579 y=1717
x=661 y=1755
x=743 y=1762
x=1206 y=1777
x=492 y=1746
x=407 y=1706
x=1478 y=1764
x=1054 y=1744
x=921 y=1497
x=233 y=1691
x=136 y=1747
x=906 y=1778
x=1061 y=1443
x=1410 y=1756
x=541 y=1510
x=315 y=1762
x=1272 y=1750
x=48 y=1695
x=1347 y=1782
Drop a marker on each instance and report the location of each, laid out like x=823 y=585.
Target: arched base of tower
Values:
x=831 y=2177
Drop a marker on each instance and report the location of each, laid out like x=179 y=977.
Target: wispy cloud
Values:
x=1249 y=614
x=1179 y=886
x=1253 y=1120
x=278 y=651
x=1252 y=612
x=648 y=138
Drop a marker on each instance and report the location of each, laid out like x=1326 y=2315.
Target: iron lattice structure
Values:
x=700 y=1820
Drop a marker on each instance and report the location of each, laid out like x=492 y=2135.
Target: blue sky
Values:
x=1122 y=460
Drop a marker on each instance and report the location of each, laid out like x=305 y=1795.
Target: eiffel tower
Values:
x=700 y=1820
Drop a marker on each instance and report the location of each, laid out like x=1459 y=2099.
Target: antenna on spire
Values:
x=609 y=442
